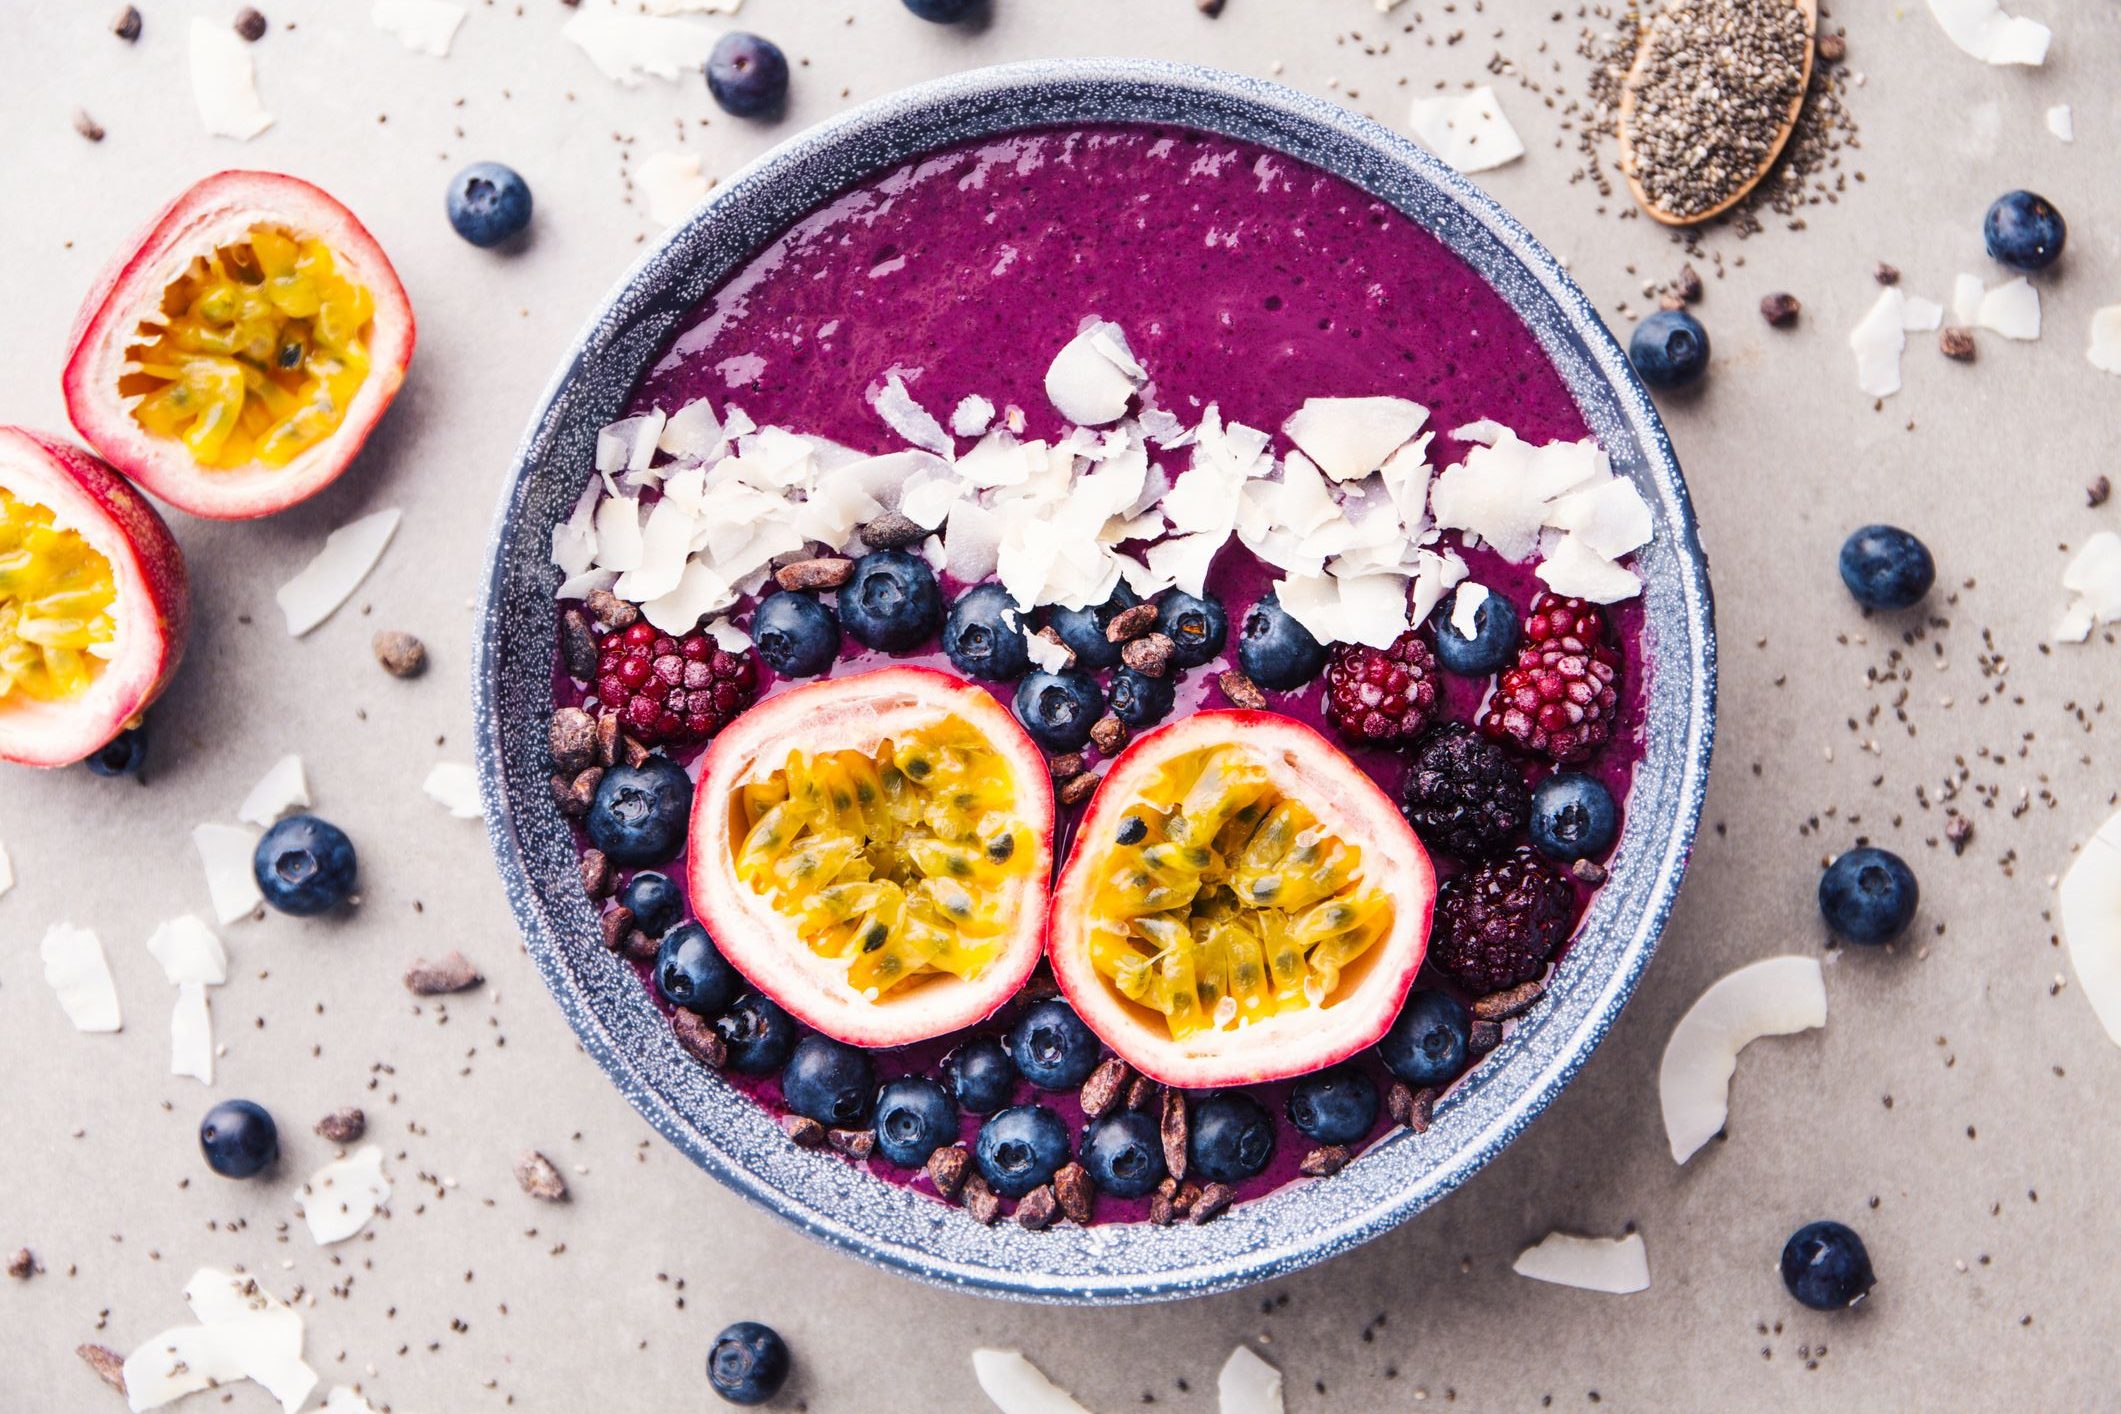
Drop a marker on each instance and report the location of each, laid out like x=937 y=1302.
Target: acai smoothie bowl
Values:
x=1096 y=681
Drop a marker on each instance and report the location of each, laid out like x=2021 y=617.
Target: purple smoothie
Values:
x=1242 y=278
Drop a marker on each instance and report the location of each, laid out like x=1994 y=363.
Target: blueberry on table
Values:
x=1021 y=1148
x=1427 y=1043
x=748 y=1363
x=1230 y=1137
x=890 y=601
x=123 y=755
x=914 y=1118
x=654 y=902
x=1868 y=896
x=1140 y=700
x=2024 y=231
x=639 y=813
x=759 y=1036
x=1573 y=817
x=1058 y=709
x=488 y=203
x=1496 y=630
x=304 y=866
x=1826 y=1267
x=1195 y=625
x=1669 y=349
x=829 y=1082
x=1124 y=1154
x=1884 y=567
x=984 y=634
x=981 y=1075
x=691 y=972
x=239 y=1139
x=1337 y=1105
x=796 y=634
x=1052 y=1047
x=748 y=75
x=1274 y=650
x=944 y=12
x=1083 y=630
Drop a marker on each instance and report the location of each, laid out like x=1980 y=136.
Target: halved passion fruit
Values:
x=234 y=360
x=1241 y=904
x=873 y=852
x=94 y=603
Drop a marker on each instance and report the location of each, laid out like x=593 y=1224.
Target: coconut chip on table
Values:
x=1019 y=1387
x=2093 y=580
x=423 y=26
x=284 y=787
x=79 y=975
x=2062 y=123
x=673 y=183
x=1778 y=996
x=330 y=579
x=1617 y=1266
x=7 y=870
x=2103 y=347
x=455 y=787
x=192 y=960
x=2089 y=901
x=1982 y=29
x=627 y=46
x=228 y=854
x=224 y=82
x=243 y=1332
x=1880 y=337
x=1467 y=130
x=2011 y=309
x=341 y=1197
x=1246 y=1384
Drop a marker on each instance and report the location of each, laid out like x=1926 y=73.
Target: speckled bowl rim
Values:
x=738 y=1142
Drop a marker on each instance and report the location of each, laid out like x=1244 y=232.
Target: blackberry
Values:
x=1381 y=696
x=1464 y=795
x=1559 y=699
x=1499 y=923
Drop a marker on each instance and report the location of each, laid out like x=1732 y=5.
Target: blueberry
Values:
x=1195 y=626
x=1058 y=709
x=1427 y=1043
x=654 y=901
x=891 y=601
x=944 y=12
x=488 y=203
x=1868 y=896
x=304 y=866
x=1051 y=1046
x=748 y=1363
x=981 y=1075
x=1573 y=817
x=758 y=1034
x=639 y=813
x=1276 y=651
x=984 y=634
x=1884 y=567
x=1124 y=1154
x=239 y=1139
x=1334 y=1106
x=1140 y=700
x=1021 y=1148
x=796 y=634
x=2024 y=231
x=1230 y=1137
x=1083 y=630
x=1669 y=349
x=914 y=1118
x=830 y=1083
x=691 y=972
x=748 y=75
x=1825 y=1267
x=1496 y=629
x=123 y=755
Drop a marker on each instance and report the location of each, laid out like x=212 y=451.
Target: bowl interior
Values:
x=729 y=1135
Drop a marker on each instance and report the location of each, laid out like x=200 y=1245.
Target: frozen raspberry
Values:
x=1498 y=923
x=1559 y=699
x=1463 y=795
x=671 y=691
x=1379 y=696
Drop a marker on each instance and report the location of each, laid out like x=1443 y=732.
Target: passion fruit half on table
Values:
x=873 y=852
x=94 y=604
x=1241 y=904
x=235 y=358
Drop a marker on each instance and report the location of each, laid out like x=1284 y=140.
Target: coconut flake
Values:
x=330 y=579
x=2062 y=123
x=341 y=1197
x=2090 y=904
x=1048 y=655
x=1777 y=996
x=1248 y=1385
x=1919 y=315
x=1617 y=1265
x=2104 y=348
x=1878 y=339
x=455 y=787
x=692 y=432
x=2012 y=309
x=1982 y=29
x=1573 y=567
x=972 y=542
x=243 y=1333
x=227 y=853
x=972 y=417
x=1094 y=375
x=224 y=82
x=728 y=637
x=191 y=1034
x=1019 y=1387
x=2093 y=578
x=1348 y=438
x=627 y=48
x=179 y=1361
x=909 y=419
x=281 y=789
x=1465 y=609
x=674 y=183
x=77 y=972
x=1467 y=130
x=189 y=952
x=342 y=1400
x=423 y=26
x=7 y=870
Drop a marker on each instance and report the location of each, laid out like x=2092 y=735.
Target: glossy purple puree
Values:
x=1242 y=278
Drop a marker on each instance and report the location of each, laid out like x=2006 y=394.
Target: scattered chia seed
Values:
x=127 y=25
x=250 y=24
x=1886 y=274
x=87 y=126
x=2096 y=494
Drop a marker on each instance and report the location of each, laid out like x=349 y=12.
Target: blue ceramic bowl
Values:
x=730 y=1136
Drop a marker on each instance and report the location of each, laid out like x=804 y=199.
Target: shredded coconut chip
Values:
x=2090 y=905
x=2104 y=348
x=1248 y=1385
x=330 y=579
x=1982 y=29
x=1878 y=340
x=627 y=48
x=281 y=789
x=1019 y=1387
x=341 y=1197
x=1775 y=997
x=1467 y=130
x=1094 y=375
x=674 y=183
x=2062 y=123
x=2093 y=579
x=224 y=82
x=423 y=26
x=455 y=787
x=2012 y=309
x=244 y=1333
x=1616 y=1265
x=231 y=881
x=79 y=975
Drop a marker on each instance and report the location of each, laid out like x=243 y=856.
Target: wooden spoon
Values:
x=1633 y=82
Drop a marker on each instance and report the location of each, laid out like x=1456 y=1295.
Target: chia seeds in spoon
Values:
x=1717 y=83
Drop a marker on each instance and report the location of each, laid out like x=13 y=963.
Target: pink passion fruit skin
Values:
x=153 y=602
x=1305 y=767
x=219 y=209
x=859 y=713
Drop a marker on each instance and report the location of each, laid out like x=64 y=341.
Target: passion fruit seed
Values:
x=1224 y=902
x=256 y=351
x=57 y=598
x=900 y=863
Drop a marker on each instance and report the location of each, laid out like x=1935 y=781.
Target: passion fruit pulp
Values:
x=1241 y=904
x=873 y=853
